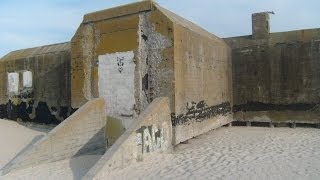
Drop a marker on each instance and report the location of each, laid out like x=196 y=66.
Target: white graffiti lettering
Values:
x=151 y=138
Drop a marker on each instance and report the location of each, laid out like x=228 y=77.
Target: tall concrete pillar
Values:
x=260 y=25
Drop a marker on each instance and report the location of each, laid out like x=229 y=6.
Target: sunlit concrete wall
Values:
x=132 y=54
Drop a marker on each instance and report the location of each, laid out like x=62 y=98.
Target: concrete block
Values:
x=68 y=139
x=150 y=133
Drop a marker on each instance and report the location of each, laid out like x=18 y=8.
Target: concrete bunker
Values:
x=132 y=54
x=276 y=75
x=35 y=84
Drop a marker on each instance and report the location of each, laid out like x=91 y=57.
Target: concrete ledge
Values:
x=308 y=117
x=271 y=124
x=192 y=129
x=118 y=11
x=81 y=133
x=150 y=133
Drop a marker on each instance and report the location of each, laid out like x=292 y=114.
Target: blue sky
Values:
x=39 y=22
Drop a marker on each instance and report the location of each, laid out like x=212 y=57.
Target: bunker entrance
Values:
x=116 y=85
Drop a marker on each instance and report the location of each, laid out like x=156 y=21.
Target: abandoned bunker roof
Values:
x=118 y=11
x=188 y=24
x=31 y=52
x=145 y=6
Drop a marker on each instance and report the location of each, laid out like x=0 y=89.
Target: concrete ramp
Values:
x=81 y=133
x=150 y=133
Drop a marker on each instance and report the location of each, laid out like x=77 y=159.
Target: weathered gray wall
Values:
x=49 y=98
x=277 y=78
x=83 y=132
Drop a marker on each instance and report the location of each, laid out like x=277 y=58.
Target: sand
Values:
x=74 y=168
x=226 y=153
x=13 y=138
x=236 y=153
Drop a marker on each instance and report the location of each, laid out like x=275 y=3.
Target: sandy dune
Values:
x=226 y=153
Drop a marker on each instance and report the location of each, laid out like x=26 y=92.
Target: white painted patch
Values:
x=27 y=79
x=13 y=83
x=116 y=83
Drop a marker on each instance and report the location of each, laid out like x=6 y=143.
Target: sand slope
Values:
x=13 y=138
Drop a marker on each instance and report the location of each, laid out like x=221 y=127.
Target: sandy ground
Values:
x=14 y=137
x=67 y=169
x=237 y=153
x=226 y=153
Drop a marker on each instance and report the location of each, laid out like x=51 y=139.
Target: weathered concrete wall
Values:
x=35 y=84
x=99 y=35
x=260 y=25
x=125 y=59
x=150 y=133
x=203 y=80
x=278 y=78
x=148 y=53
x=104 y=62
x=81 y=133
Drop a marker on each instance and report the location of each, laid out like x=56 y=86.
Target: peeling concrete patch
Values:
x=152 y=44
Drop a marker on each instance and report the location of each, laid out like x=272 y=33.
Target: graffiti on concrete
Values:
x=18 y=109
x=120 y=63
x=21 y=105
x=199 y=112
x=151 y=138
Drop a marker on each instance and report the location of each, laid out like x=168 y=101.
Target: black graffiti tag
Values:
x=120 y=63
x=199 y=112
